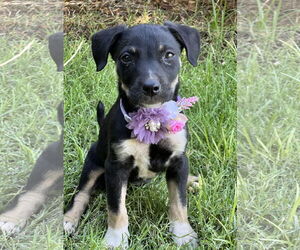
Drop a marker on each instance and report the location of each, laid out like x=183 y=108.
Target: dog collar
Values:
x=126 y=116
x=150 y=125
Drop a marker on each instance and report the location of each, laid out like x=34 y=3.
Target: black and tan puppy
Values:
x=147 y=59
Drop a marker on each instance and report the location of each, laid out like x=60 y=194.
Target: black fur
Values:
x=158 y=157
x=188 y=38
x=178 y=172
x=102 y=43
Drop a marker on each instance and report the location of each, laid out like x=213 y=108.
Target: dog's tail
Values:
x=100 y=113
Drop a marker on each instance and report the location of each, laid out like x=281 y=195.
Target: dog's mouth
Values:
x=155 y=105
x=152 y=102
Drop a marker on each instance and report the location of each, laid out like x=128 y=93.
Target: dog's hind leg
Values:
x=89 y=179
x=177 y=178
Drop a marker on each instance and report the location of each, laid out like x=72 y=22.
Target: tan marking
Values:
x=31 y=201
x=140 y=152
x=156 y=105
x=50 y=178
x=175 y=142
x=132 y=49
x=177 y=212
x=120 y=219
x=82 y=198
x=125 y=88
x=161 y=47
x=28 y=204
x=92 y=179
x=174 y=83
x=79 y=204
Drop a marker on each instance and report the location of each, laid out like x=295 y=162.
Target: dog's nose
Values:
x=151 y=87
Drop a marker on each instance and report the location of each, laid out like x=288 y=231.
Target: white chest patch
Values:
x=176 y=143
x=140 y=152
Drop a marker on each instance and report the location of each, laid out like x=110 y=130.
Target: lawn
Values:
x=211 y=150
x=268 y=126
x=30 y=91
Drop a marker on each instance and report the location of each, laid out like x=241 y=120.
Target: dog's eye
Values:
x=126 y=58
x=169 y=55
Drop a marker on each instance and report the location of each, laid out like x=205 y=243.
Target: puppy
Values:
x=147 y=59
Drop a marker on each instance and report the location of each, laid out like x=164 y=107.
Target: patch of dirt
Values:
x=30 y=19
x=34 y=19
x=82 y=18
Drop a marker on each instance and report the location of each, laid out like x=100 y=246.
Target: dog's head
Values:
x=147 y=58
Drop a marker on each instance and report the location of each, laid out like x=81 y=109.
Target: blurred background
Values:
x=30 y=92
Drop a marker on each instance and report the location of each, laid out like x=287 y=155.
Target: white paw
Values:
x=117 y=238
x=69 y=227
x=9 y=227
x=183 y=234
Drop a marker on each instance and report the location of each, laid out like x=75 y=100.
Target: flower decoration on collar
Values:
x=150 y=125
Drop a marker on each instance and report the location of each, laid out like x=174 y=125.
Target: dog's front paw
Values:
x=10 y=226
x=183 y=234
x=116 y=238
x=69 y=225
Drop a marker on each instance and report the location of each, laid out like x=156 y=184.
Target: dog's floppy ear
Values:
x=102 y=42
x=188 y=37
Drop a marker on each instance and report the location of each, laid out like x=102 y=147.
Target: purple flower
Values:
x=139 y=124
x=172 y=108
x=150 y=125
x=186 y=103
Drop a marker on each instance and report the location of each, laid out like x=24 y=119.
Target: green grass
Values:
x=268 y=129
x=211 y=149
x=30 y=90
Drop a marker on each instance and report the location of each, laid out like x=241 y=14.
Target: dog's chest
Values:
x=149 y=160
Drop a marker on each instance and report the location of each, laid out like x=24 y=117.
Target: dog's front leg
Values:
x=116 y=178
x=177 y=176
